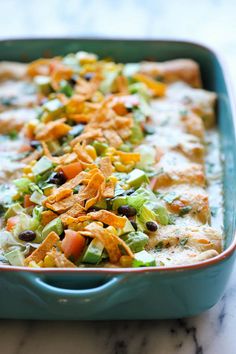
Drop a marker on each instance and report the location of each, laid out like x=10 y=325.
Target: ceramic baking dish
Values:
x=141 y=293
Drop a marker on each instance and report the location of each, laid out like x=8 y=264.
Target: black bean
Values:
x=62 y=235
x=134 y=224
x=93 y=209
x=27 y=235
x=88 y=76
x=151 y=226
x=35 y=144
x=129 y=108
x=127 y=210
x=73 y=80
x=57 y=178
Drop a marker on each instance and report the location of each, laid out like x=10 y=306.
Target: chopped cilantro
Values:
x=13 y=135
x=185 y=210
x=214 y=211
x=159 y=246
x=183 y=241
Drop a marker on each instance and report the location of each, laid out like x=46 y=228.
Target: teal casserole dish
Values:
x=141 y=293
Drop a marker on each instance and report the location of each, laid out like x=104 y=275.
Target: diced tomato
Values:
x=12 y=221
x=153 y=183
x=72 y=169
x=73 y=244
x=27 y=201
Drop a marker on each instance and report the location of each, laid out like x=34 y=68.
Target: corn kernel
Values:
x=32 y=163
x=27 y=169
x=120 y=167
x=33 y=264
x=91 y=151
x=125 y=261
x=48 y=261
x=125 y=187
x=113 y=179
x=16 y=196
x=48 y=191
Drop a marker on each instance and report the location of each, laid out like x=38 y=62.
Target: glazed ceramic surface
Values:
x=147 y=293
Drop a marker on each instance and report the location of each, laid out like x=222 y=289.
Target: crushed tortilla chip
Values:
x=122 y=84
x=109 y=190
x=108 y=218
x=41 y=66
x=60 y=72
x=76 y=210
x=87 y=136
x=60 y=259
x=106 y=166
x=47 y=216
x=108 y=240
x=64 y=204
x=113 y=138
x=93 y=186
x=43 y=248
x=65 y=190
x=58 y=195
x=53 y=130
x=82 y=153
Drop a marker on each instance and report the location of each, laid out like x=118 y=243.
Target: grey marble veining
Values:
x=209 y=21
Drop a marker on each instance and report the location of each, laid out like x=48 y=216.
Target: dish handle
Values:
x=51 y=292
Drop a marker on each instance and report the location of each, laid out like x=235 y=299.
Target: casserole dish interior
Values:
x=48 y=289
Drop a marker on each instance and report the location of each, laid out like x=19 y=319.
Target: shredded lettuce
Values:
x=22 y=184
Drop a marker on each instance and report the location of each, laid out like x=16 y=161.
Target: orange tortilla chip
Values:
x=82 y=153
x=91 y=201
x=60 y=259
x=58 y=195
x=109 y=241
x=113 y=138
x=108 y=218
x=71 y=215
x=66 y=189
x=122 y=84
x=42 y=250
x=93 y=186
x=125 y=246
x=47 y=216
x=41 y=66
x=91 y=134
x=64 y=159
x=53 y=130
x=109 y=190
x=64 y=204
x=106 y=166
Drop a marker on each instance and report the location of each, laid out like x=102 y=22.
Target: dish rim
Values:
x=203 y=264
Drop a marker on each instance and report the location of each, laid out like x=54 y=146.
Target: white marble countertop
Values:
x=209 y=21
